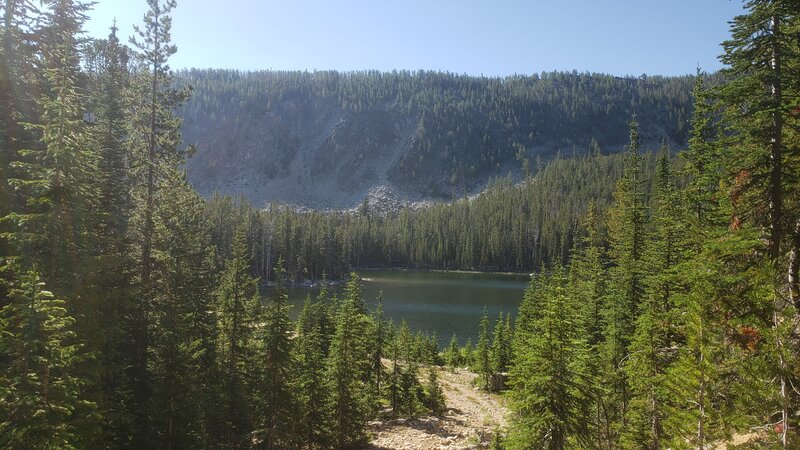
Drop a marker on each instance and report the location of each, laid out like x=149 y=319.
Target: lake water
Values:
x=441 y=302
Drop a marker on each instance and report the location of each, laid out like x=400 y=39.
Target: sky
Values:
x=476 y=37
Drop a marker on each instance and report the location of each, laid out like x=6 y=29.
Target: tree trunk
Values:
x=776 y=144
x=794 y=268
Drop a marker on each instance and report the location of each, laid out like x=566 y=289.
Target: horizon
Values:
x=463 y=38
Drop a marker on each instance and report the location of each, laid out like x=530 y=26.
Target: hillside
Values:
x=327 y=139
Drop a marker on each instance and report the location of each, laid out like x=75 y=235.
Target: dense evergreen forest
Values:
x=426 y=134
x=520 y=227
x=663 y=312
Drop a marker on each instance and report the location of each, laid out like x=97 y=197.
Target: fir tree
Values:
x=452 y=356
x=548 y=375
x=762 y=57
x=626 y=284
x=238 y=310
x=378 y=349
x=184 y=334
x=311 y=390
x=483 y=363
x=274 y=393
x=348 y=368
x=155 y=144
x=434 y=396
x=42 y=399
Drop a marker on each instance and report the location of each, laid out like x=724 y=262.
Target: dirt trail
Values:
x=469 y=421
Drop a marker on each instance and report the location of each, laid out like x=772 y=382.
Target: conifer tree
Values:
x=434 y=396
x=548 y=376
x=349 y=364
x=409 y=389
x=393 y=376
x=483 y=363
x=626 y=284
x=452 y=355
x=587 y=285
x=155 y=146
x=378 y=349
x=650 y=352
x=500 y=354
x=238 y=311
x=42 y=400
x=762 y=57
x=184 y=334
x=68 y=155
x=107 y=98
x=760 y=124
x=311 y=390
x=274 y=393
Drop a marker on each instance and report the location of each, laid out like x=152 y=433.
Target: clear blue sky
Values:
x=489 y=37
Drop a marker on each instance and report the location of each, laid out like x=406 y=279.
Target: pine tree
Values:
x=42 y=401
x=500 y=354
x=155 y=145
x=378 y=349
x=626 y=284
x=434 y=396
x=238 y=311
x=310 y=388
x=483 y=363
x=452 y=355
x=275 y=395
x=762 y=57
x=349 y=368
x=548 y=379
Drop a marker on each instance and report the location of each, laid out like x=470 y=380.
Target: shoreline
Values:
x=314 y=283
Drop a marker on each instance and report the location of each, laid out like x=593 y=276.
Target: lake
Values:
x=441 y=302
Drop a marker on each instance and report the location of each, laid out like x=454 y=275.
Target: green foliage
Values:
x=452 y=354
x=310 y=387
x=349 y=368
x=500 y=353
x=275 y=399
x=483 y=363
x=462 y=130
x=42 y=400
x=434 y=396
x=548 y=378
x=239 y=312
x=510 y=227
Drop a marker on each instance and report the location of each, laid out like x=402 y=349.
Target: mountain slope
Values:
x=327 y=139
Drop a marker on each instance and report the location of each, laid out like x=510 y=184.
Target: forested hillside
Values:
x=664 y=310
x=325 y=139
x=516 y=227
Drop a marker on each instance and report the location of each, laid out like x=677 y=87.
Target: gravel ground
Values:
x=469 y=422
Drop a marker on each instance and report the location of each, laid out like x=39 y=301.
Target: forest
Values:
x=662 y=311
x=429 y=133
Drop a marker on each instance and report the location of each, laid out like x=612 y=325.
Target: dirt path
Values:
x=469 y=422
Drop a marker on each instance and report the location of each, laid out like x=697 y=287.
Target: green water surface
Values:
x=443 y=302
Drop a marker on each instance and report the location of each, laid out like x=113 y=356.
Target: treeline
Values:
x=461 y=130
x=520 y=227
